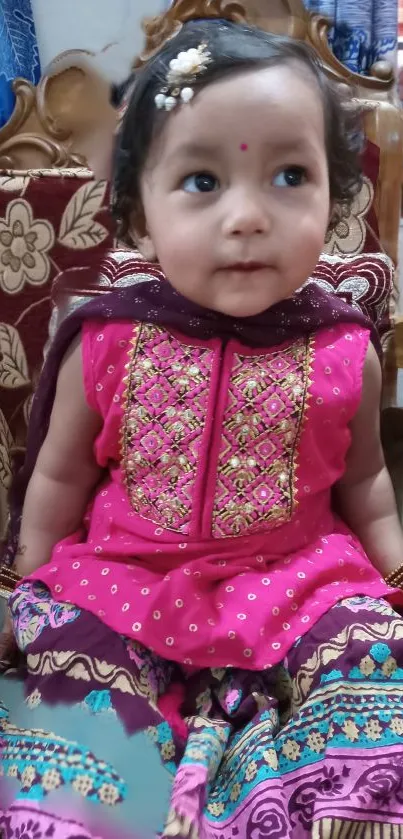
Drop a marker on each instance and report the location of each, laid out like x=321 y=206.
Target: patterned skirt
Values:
x=311 y=748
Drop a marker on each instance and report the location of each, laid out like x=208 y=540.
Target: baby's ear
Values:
x=140 y=236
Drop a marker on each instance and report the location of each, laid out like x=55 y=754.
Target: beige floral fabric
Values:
x=349 y=235
x=24 y=248
x=51 y=222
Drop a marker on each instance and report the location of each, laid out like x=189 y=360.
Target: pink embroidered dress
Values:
x=212 y=538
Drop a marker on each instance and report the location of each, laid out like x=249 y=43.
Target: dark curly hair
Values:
x=234 y=48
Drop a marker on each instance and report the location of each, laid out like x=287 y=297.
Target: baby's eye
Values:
x=200 y=182
x=291 y=176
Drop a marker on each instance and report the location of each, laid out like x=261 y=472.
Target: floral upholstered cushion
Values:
x=357 y=228
x=365 y=281
x=50 y=221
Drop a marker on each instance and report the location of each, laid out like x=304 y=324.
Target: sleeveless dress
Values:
x=211 y=539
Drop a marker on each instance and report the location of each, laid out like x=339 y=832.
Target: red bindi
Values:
x=244 y=147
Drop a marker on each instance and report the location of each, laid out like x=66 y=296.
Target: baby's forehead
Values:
x=287 y=88
x=275 y=104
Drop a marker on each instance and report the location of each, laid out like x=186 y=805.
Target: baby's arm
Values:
x=65 y=471
x=365 y=492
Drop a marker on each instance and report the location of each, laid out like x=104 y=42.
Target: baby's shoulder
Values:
x=105 y=347
x=105 y=331
x=339 y=358
x=349 y=339
x=103 y=339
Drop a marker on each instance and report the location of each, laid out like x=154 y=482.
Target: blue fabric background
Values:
x=18 y=50
x=364 y=31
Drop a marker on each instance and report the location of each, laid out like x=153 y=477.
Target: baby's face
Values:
x=236 y=191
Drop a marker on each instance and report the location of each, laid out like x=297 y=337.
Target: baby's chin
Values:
x=238 y=306
x=244 y=309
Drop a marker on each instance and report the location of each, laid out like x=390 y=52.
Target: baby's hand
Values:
x=8 y=645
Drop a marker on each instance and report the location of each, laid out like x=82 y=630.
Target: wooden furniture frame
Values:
x=49 y=121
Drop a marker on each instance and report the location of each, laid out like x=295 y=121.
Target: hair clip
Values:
x=183 y=70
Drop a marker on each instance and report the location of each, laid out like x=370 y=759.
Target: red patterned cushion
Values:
x=357 y=229
x=365 y=281
x=50 y=221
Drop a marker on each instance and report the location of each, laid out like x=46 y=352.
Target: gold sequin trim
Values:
x=165 y=404
x=256 y=486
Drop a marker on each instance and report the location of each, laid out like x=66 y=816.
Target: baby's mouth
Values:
x=246 y=267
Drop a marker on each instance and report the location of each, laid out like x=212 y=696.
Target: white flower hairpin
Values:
x=183 y=70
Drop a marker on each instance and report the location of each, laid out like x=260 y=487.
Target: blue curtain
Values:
x=364 y=31
x=18 y=50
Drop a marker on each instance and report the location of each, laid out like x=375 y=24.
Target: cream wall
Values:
x=89 y=24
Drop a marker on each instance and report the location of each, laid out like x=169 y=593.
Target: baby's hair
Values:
x=234 y=49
